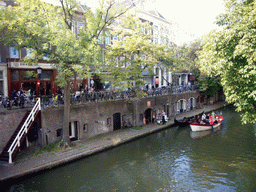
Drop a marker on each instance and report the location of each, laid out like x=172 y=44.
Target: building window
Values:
x=45 y=57
x=107 y=39
x=162 y=79
x=156 y=40
x=149 y=30
x=100 y=39
x=157 y=71
x=114 y=39
x=73 y=27
x=29 y=53
x=15 y=75
x=1 y=82
x=46 y=75
x=27 y=75
x=14 y=53
x=167 y=77
x=79 y=27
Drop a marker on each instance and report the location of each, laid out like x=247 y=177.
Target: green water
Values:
x=170 y=160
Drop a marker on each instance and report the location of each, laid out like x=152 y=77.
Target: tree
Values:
x=47 y=29
x=208 y=85
x=133 y=53
x=230 y=53
x=181 y=59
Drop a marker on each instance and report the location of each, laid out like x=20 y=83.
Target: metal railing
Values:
x=90 y=96
x=24 y=129
x=95 y=96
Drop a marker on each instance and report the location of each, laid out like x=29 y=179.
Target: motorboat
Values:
x=213 y=124
x=202 y=134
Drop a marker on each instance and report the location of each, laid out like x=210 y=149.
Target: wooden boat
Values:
x=202 y=134
x=186 y=121
x=202 y=127
x=181 y=123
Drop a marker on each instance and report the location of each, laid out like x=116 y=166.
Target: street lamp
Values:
x=39 y=72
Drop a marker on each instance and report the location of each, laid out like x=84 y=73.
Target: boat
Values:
x=202 y=134
x=181 y=123
x=186 y=120
x=203 y=127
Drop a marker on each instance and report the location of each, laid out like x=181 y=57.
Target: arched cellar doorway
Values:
x=148 y=116
x=181 y=106
x=191 y=103
x=116 y=121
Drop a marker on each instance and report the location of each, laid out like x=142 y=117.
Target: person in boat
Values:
x=213 y=115
x=203 y=116
x=194 y=119
x=207 y=119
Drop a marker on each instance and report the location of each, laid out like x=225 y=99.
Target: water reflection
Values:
x=170 y=160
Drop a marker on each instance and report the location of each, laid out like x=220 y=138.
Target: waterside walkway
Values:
x=30 y=161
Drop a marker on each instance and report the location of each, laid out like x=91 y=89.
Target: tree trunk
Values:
x=65 y=141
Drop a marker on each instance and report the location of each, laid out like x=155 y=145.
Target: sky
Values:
x=190 y=19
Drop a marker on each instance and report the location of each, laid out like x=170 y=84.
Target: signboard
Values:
x=148 y=103
x=29 y=66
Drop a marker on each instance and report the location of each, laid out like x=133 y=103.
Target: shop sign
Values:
x=27 y=65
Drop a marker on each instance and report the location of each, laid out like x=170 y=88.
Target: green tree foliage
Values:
x=48 y=29
x=230 y=54
x=209 y=85
x=133 y=52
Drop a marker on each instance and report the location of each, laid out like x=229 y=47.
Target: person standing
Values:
x=14 y=97
x=163 y=117
x=22 y=100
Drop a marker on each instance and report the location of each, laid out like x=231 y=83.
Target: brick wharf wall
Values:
x=9 y=120
x=96 y=118
x=92 y=118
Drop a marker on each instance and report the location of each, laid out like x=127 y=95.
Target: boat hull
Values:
x=204 y=127
x=200 y=127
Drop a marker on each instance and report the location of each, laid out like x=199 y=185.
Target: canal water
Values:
x=170 y=160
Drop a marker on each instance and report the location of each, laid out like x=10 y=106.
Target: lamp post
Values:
x=39 y=72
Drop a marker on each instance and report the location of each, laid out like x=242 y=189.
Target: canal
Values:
x=170 y=160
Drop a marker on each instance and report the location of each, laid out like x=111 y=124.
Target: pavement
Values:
x=32 y=160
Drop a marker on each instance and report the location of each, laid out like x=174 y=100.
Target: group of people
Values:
x=17 y=98
x=208 y=119
x=161 y=118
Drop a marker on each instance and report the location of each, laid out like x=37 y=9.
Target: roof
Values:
x=155 y=13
